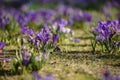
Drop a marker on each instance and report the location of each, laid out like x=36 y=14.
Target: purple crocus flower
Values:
x=87 y=16
x=6 y=59
x=106 y=29
x=58 y=48
x=77 y=15
x=55 y=38
x=26 y=30
x=70 y=21
x=43 y=35
x=4 y=20
x=77 y=40
x=100 y=38
x=61 y=25
x=26 y=58
x=37 y=76
x=117 y=44
x=107 y=75
x=21 y=19
x=2 y=45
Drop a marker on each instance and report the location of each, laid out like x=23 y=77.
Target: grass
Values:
x=76 y=62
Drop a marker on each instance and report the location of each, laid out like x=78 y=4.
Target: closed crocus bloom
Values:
x=63 y=22
x=4 y=20
x=55 y=38
x=24 y=29
x=27 y=31
x=60 y=27
x=21 y=19
x=87 y=16
x=70 y=22
x=107 y=75
x=43 y=35
x=2 y=45
x=58 y=48
x=77 y=15
x=26 y=58
x=100 y=38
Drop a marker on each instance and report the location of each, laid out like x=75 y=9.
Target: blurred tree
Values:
x=13 y=3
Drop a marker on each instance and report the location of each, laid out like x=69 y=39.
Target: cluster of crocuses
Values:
x=107 y=34
x=44 y=15
x=64 y=16
x=4 y=20
x=36 y=47
x=73 y=14
x=50 y=15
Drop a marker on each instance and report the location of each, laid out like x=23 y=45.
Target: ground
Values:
x=76 y=62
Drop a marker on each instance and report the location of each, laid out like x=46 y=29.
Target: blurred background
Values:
x=84 y=4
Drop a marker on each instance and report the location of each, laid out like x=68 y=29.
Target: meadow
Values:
x=56 y=41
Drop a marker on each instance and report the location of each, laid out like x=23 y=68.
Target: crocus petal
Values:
x=2 y=45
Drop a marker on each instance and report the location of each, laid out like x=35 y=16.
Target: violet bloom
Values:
x=61 y=25
x=45 y=14
x=107 y=75
x=62 y=10
x=58 y=48
x=43 y=35
x=26 y=58
x=55 y=38
x=2 y=45
x=77 y=40
x=24 y=29
x=34 y=16
x=63 y=22
x=77 y=15
x=70 y=21
x=21 y=19
x=4 y=21
x=100 y=38
x=37 y=76
x=87 y=16
x=6 y=59
x=106 y=29
x=117 y=44
x=27 y=31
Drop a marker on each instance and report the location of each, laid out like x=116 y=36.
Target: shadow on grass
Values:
x=74 y=45
x=85 y=38
x=108 y=56
x=9 y=72
x=89 y=52
x=105 y=58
